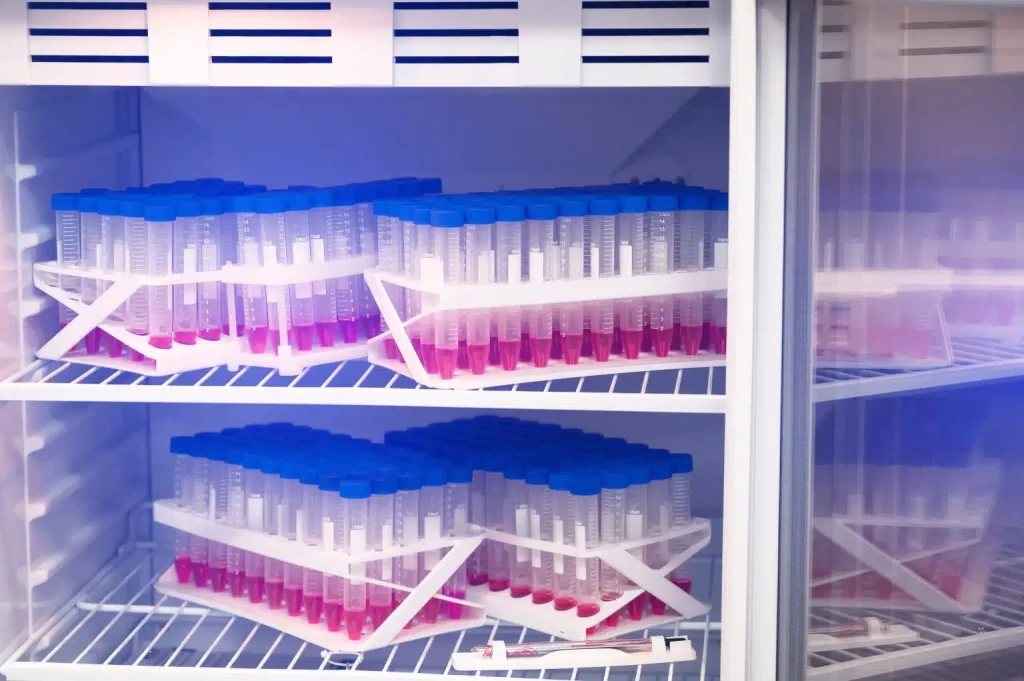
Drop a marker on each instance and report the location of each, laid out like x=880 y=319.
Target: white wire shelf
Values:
x=120 y=628
x=943 y=638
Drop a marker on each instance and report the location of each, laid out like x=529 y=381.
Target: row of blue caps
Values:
x=566 y=460
x=215 y=196
x=457 y=210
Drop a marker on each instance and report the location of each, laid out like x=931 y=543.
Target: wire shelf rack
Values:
x=120 y=628
x=997 y=626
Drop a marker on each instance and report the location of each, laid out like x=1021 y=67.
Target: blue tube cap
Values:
x=560 y=481
x=435 y=476
x=355 y=489
x=664 y=203
x=614 y=480
x=269 y=204
x=158 y=212
x=480 y=215
x=448 y=218
x=181 y=444
x=328 y=483
x=187 y=208
x=511 y=212
x=585 y=486
x=633 y=204
x=544 y=210
x=682 y=463
x=604 y=206
x=638 y=475
x=64 y=201
x=410 y=480
x=384 y=484
x=537 y=476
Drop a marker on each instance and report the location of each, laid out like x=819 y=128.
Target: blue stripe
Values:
x=88 y=5
x=454 y=32
x=645 y=31
x=90 y=59
x=90 y=32
x=270 y=5
x=270 y=32
x=648 y=4
x=649 y=59
x=271 y=60
x=455 y=5
x=456 y=60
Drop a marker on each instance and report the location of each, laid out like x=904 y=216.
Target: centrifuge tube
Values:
x=659 y=519
x=449 y=246
x=690 y=307
x=292 y=526
x=407 y=531
x=508 y=266
x=456 y=524
x=435 y=479
x=321 y=249
x=334 y=539
x=273 y=491
x=633 y=252
x=636 y=526
x=183 y=500
x=137 y=241
x=218 y=495
x=298 y=205
x=479 y=270
x=411 y=268
x=662 y=218
x=718 y=223
x=275 y=251
x=571 y=226
x=613 y=531
x=517 y=522
x=389 y=259
x=369 y=314
x=544 y=266
x=186 y=261
x=92 y=259
x=427 y=264
x=603 y=216
x=201 y=507
x=255 y=579
x=356 y=496
x=476 y=564
x=585 y=490
x=563 y=531
x=210 y=239
x=113 y=259
x=312 y=513
x=382 y=533
x=539 y=497
x=160 y=223
x=229 y=254
x=236 y=518
x=346 y=242
x=69 y=248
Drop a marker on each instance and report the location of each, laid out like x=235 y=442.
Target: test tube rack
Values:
x=621 y=557
x=911 y=591
x=337 y=563
x=437 y=296
x=230 y=350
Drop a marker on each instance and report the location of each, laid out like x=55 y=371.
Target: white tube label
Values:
x=459 y=521
x=536 y=267
x=515 y=268
x=558 y=536
x=387 y=541
x=576 y=262
x=328 y=533
x=625 y=260
x=595 y=262
x=431 y=530
x=634 y=531
x=535 y=534
x=319 y=254
x=212 y=515
x=300 y=258
x=721 y=254
x=189 y=265
x=410 y=534
x=431 y=271
x=357 y=545
x=522 y=530
x=581 y=545
x=254 y=513
x=485 y=267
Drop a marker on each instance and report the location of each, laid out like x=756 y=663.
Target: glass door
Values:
x=902 y=507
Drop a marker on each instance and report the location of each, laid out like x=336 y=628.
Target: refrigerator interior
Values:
x=80 y=551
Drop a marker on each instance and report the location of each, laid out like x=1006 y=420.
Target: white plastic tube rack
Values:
x=437 y=296
x=230 y=350
x=566 y=623
x=333 y=563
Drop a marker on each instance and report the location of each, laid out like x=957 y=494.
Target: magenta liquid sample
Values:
x=325 y=333
x=662 y=341
x=617 y=341
x=183 y=568
x=304 y=337
x=646 y=342
x=200 y=574
x=478 y=359
x=718 y=338
x=587 y=349
x=587 y=609
x=463 y=355
x=355 y=620
x=314 y=605
x=349 y=330
x=563 y=603
x=293 y=601
x=256 y=587
x=494 y=357
x=209 y=334
x=447 y=359
x=498 y=584
x=114 y=346
x=540 y=349
x=390 y=348
x=93 y=341
x=677 y=343
x=572 y=349
x=333 y=611
x=275 y=595
x=542 y=597
x=239 y=329
x=519 y=591
x=257 y=338
x=379 y=613
x=602 y=346
x=371 y=325
x=417 y=347
x=524 y=347
x=454 y=610
x=431 y=611
x=636 y=607
x=508 y=351
x=477 y=578
x=690 y=338
x=219 y=579
x=428 y=355
x=556 y=345
x=631 y=341
x=236 y=581
x=185 y=337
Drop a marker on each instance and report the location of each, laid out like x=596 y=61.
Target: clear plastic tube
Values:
x=571 y=230
x=407 y=531
x=273 y=492
x=368 y=312
x=219 y=499
x=182 y=499
x=563 y=531
x=456 y=524
x=69 y=248
x=662 y=247
x=633 y=251
x=254 y=296
x=636 y=529
x=432 y=512
x=517 y=521
x=113 y=260
x=335 y=538
x=497 y=553
x=293 y=527
x=587 y=536
x=476 y=565
x=479 y=270
x=718 y=226
x=382 y=532
x=137 y=314
x=542 y=578
x=690 y=307
x=356 y=518
x=544 y=266
x=236 y=518
x=303 y=315
x=508 y=266
x=200 y=500
x=602 y=263
x=427 y=264
x=411 y=268
x=230 y=256
x=659 y=519
x=389 y=259
x=255 y=580
x=613 y=531
x=346 y=239
x=313 y=580
x=92 y=259
x=210 y=306
x=322 y=249
x=161 y=310
x=448 y=233
x=274 y=245
x=186 y=261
